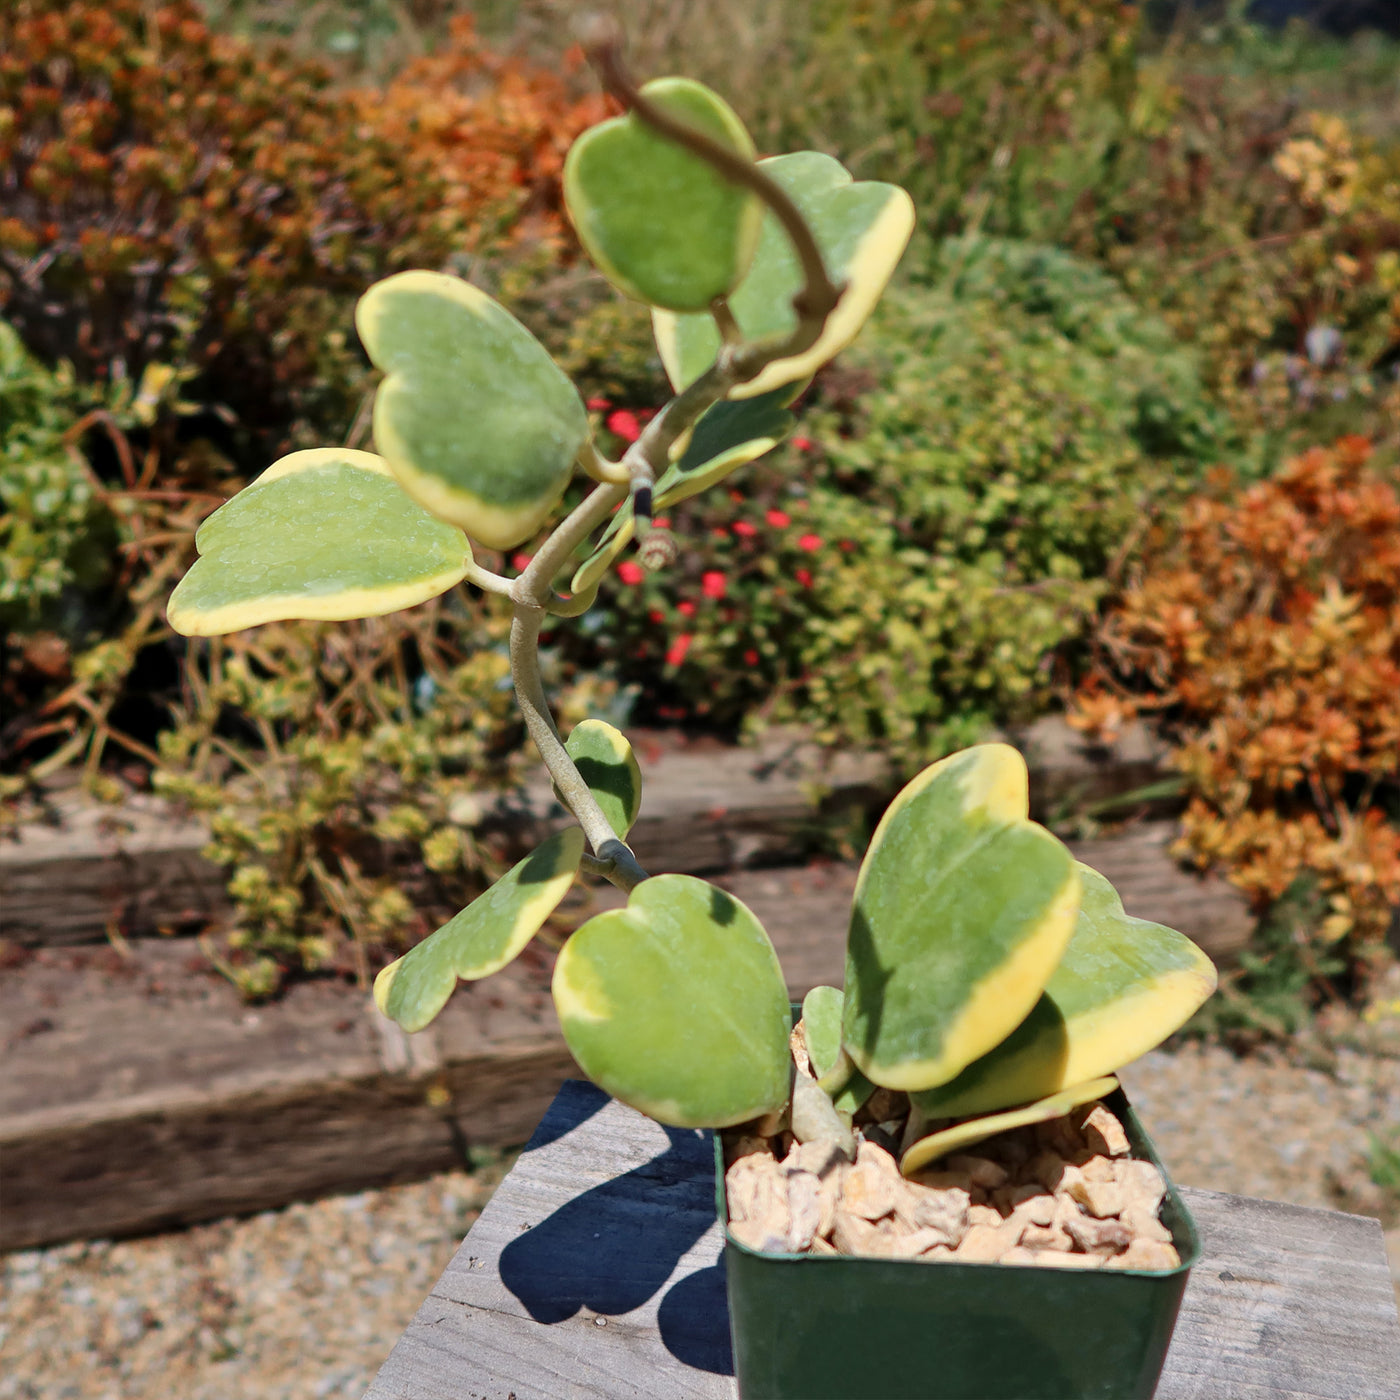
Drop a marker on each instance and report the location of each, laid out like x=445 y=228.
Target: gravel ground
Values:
x=296 y=1304
x=304 y=1303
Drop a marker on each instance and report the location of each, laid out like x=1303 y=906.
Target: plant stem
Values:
x=533 y=588
x=738 y=361
x=603 y=42
x=487 y=581
x=614 y=859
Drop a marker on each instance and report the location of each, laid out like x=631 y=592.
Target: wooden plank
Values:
x=563 y=1284
x=1286 y=1301
x=138 y=867
x=140 y=1092
x=163 y=1164
x=142 y=1095
x=594 y=1272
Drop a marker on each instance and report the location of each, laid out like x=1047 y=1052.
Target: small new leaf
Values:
x=929 y=1149
x=605 y=761
x=728 y=436
x=821 y=1025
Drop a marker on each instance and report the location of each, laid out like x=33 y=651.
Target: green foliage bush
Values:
x=1066 y=122
x=970 y=475
x=56 y=535
x=1002 y=113
x=341 y=765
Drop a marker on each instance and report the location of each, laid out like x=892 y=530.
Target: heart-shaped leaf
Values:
x=676 y=1005
x=326 y=534
x=1122 y=986
x=474 y=418
x=976 y=1130
x=728 y=436
x=605 y=761
x=821 y=1026
x=662 y=225
x=837 y=1075
x=962 y=909
x=861 y=228
x=490 y=932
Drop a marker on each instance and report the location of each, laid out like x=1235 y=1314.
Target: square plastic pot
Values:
x=807 y=1327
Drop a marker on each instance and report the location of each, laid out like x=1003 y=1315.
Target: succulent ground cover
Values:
x=1261 y=630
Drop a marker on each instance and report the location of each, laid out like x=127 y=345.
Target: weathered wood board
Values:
x=139 y=1092
x=151 y=1099
x=595 y=1271
x=139 y=868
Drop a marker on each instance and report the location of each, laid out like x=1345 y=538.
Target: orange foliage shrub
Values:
x=172 y=196
x=494 y=130
x=1266 y=631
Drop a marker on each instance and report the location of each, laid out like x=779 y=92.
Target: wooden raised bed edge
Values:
x=139 y=868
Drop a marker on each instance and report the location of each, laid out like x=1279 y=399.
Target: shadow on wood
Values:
x=613 y=1248
x=1286 y=1303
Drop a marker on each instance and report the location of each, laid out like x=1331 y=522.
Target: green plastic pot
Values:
x=806 y=1327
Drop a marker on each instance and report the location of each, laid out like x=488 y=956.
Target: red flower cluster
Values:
x=624 y=423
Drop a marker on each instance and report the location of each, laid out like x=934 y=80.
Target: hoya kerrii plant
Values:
x=988 y=975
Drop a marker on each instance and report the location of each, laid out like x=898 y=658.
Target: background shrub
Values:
x=494 y=130
x=1262 y=630
x=902 y=574
x=1268 y=238
x=187 y=221
x=344 y=768
x=171 y=196
x=55 y=536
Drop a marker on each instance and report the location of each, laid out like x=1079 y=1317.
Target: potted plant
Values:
x=992 y=985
